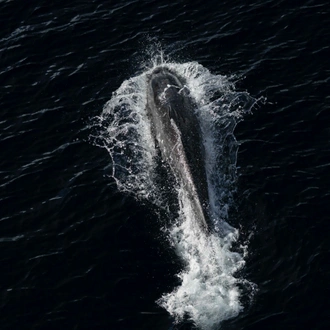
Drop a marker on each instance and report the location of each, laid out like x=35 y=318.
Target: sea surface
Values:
x=91 y=237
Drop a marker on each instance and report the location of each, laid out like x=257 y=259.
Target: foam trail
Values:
x=209 y=291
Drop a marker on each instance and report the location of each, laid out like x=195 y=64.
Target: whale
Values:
x=177 y=132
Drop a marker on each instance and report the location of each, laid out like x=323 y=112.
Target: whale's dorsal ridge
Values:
x=180 y=144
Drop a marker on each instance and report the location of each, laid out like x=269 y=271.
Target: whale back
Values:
x=177 y=127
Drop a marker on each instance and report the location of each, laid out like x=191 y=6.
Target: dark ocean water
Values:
x=75 y=252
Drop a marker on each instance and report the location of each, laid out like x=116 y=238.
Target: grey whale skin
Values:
x=178 y=134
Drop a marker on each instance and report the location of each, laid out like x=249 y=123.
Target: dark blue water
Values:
x=77 y=253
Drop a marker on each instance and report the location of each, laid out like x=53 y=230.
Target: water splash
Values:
x=209 y=291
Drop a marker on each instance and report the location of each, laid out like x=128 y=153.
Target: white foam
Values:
x=208 y=293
